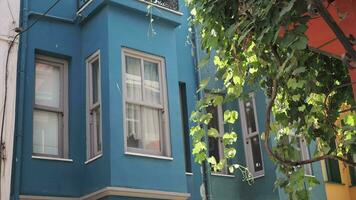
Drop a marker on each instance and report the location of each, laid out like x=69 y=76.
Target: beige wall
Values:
x=9 y=19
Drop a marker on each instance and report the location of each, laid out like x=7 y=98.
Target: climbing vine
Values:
x=261 y=45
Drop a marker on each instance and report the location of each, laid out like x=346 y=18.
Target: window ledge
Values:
x=52 y=158
x=334 y=183
x=189 y=173
x=223 y=175
x=93 y=159
x=148 y=156
x=258 y=176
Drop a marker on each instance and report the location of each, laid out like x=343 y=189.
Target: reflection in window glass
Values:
x=256 y=152
x=250 y=117
x=151 y=83
x=95 y=80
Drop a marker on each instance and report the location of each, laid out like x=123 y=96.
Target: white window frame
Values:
x=247 y=138
x=62 y=110
x=304 y=153
x=92 y=137
x=165 y=133
x=221 y=131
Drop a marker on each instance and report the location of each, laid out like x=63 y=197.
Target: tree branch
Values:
x=268 y=128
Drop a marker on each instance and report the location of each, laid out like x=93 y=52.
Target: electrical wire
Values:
x=10 y=10
x=6 y=69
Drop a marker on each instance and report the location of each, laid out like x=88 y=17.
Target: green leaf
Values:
x=296 y=97
x=229 y=138
x=203 y=62
x=299 y=70
x=217 y=100
x=212 y=160
x=213 y=132
x=301 y=43
x=203 y=84
x=230 y=116
x=198 y=147
x=287 y=8
x=301 y=108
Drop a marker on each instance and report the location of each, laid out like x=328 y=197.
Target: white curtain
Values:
x=133 y=78
x=151 y=129
x=143 y=123
x=45 y=132
x=47 y=85
x=151 y=83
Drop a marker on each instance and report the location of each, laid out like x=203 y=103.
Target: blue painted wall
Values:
x=108 y=26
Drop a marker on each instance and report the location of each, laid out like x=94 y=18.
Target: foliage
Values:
x=263 y=43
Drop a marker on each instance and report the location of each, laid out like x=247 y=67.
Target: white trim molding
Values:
x=52 y=158
x=131 y=192
x=30 y=197
x=117 y=191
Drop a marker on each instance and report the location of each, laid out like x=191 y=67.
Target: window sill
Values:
x=148 y=156
x=259 y=176
x=334 y=183
x=223 y=175
x=189 y=173
x=52 y=158
x=93 y=159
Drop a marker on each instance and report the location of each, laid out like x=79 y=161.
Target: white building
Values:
x=9 y=20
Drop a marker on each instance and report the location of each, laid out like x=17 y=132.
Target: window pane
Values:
x=185 y=126
x=95 y=80
x=151 y=128
x=333 y=170
x=151 y=83
x=353 y=171
x=214 y=148
x=47 y=85
x=97 y=132
x=133 y=78
x=250 y=117
x=256 y=153
x=45 y=132
x=214 y=122
x=133 y=117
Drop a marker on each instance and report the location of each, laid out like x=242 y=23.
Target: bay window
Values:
x=145 y=106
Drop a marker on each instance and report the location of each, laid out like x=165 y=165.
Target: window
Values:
x=146 y=114
x=353 y=171
x=250 y=131
x=94 y=132
x=50 y=113
x=185 y=126
x=333 y=169
x=302 y=148
x=216 y=146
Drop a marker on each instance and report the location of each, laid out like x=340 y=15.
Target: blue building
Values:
x=104 y=96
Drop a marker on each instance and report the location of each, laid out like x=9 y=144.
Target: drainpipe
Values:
x=17 y=160
x=205 y=170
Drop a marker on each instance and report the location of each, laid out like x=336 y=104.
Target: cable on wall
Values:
x=19 y=31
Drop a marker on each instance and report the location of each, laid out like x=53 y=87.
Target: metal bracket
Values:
x=346 y=42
